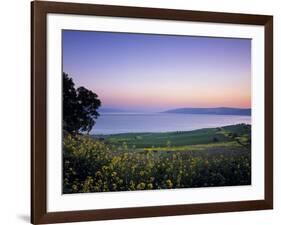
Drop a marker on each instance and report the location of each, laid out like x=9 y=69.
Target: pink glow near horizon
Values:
x=177 y=100
x=169 y=93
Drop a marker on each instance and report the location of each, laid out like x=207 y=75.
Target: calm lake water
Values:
x=162 y=122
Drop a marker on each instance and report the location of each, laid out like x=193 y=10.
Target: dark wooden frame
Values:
x=39 y=11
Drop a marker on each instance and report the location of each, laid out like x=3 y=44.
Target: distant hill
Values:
x=110 y=110
x=213 y=111
x=116 y=110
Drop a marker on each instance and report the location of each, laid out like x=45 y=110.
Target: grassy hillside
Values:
x=234 y=137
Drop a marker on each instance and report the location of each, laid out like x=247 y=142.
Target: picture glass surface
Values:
x=148 y=111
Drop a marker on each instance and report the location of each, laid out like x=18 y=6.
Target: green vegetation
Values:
x=142 y=161
x=229 y=135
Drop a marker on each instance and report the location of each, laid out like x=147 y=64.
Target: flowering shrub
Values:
x=91 y=165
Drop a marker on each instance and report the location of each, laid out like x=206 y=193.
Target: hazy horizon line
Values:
x=120 y=109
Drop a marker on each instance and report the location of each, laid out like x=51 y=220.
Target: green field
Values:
x=141 y=161
x=228 y=137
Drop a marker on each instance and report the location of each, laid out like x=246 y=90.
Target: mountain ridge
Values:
x=213 y=111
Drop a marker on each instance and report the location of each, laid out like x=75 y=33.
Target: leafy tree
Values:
x=79 y=107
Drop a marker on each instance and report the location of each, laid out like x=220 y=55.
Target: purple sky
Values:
x=159 y=72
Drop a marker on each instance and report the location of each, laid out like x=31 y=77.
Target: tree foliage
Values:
x=79 y=107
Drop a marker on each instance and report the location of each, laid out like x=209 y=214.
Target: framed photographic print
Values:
x=142 y=112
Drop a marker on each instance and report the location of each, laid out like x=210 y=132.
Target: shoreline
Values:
x=166 y=132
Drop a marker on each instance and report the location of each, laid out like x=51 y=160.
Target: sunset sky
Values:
x=159 y=72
